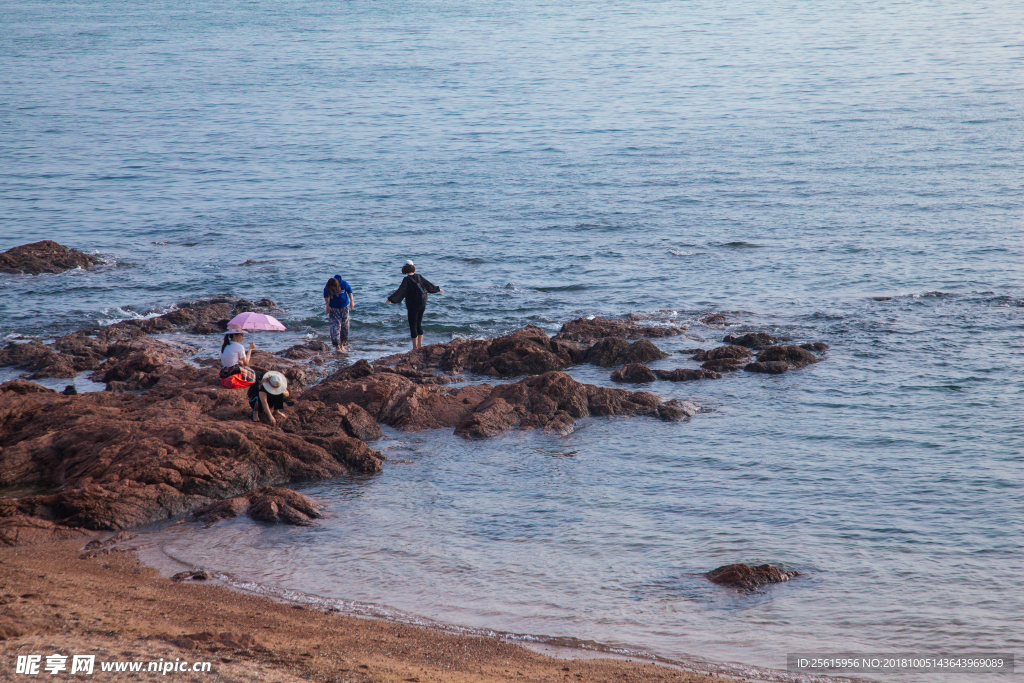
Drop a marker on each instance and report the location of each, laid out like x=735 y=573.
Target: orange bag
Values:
x=234 y=382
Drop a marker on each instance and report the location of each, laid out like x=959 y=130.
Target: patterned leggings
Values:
x=339 y=326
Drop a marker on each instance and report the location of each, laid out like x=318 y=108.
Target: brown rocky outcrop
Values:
x=112 y=461
x=44 y=257
x=749 y=578
x=636 y=373
x=398 y=401
x=265 y=504
x=613 y=351
x=552 y=402
x=776 y=360
x=590 y=330
x=528 y=351
x=686 y=374
x=39 y=359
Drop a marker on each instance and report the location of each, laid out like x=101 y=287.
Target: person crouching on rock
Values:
x=339 y=299
x=414 y=289
x=268 y=393
x=235 y=372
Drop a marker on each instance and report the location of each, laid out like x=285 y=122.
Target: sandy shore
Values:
x=114 y=607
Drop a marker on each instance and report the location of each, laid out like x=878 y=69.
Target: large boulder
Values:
x=44 y=257
x=749 y=578
x=613 y=351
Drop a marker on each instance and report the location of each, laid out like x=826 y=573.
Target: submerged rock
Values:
x=637 y=373
x=676 y=410
x=44 y=257
x=749 y=578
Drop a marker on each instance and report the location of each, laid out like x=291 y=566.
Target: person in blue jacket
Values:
x=339 y=300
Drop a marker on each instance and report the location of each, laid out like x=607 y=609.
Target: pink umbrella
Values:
x=257 y=321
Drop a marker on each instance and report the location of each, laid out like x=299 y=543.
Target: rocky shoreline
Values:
x=165 y=440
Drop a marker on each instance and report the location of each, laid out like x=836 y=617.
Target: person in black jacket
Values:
x=414 y=290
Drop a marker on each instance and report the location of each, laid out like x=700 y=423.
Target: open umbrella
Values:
x=257 y=321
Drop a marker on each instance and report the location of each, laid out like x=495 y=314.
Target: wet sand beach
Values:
x=114 y=607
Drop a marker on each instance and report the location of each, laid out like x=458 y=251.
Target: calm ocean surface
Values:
x=782 y=162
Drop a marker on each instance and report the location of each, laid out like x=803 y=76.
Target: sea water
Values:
x=846 y=172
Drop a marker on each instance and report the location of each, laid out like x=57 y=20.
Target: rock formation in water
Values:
x=166 y=439
x=749 y=578
x=774 y=360
x=754 y=340
x=634 y=373
x=44 y=257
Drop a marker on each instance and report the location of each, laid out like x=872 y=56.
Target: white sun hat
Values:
x=274 y=383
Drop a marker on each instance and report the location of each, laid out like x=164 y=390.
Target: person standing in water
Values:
x=339 y=299
x=414 y=290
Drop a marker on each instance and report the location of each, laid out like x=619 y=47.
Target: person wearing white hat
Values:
x=268 y=392
x=414 y=289
x=235 y=372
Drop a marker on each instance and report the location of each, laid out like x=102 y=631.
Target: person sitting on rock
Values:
x=268 y=392
x=414 y=289
x=235 y=372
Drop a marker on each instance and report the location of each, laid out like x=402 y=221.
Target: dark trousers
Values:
x=415 y=321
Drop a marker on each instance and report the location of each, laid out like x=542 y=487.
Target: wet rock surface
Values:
x=44 y=257
x=749 y=578
x=265 y=504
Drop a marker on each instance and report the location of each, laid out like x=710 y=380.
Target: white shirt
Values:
x=231 y=354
